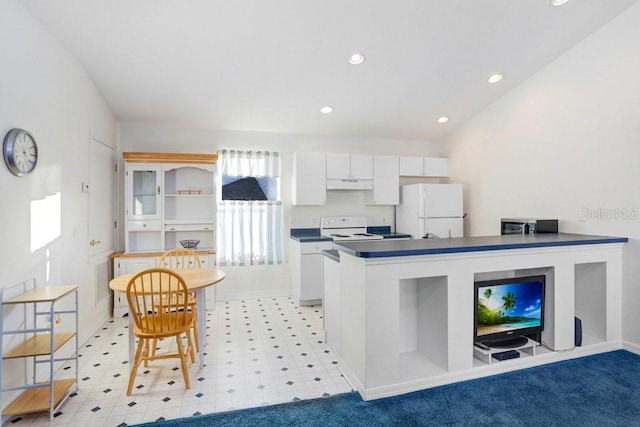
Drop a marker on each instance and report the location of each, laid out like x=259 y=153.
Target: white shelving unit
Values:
x=169 y=197
x=486 y=356
x=406 y=322
x=24 y=308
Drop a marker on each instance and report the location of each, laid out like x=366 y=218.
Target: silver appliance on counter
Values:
x=346 y=228
x=528 y=226
x=430 y=210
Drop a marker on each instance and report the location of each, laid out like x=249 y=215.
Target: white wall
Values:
x=273 y=280
x=564 y=144
x=45 y=91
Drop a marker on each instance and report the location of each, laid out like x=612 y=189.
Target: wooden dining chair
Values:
x=158 y=302
x=182 y=258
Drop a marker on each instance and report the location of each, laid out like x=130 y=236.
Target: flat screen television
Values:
x=508 y=310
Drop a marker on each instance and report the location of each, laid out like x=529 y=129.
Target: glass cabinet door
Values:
x=144 y=192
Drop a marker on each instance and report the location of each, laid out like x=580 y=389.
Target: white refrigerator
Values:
x=430 y=210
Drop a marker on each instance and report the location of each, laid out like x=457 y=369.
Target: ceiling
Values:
x=269 y=65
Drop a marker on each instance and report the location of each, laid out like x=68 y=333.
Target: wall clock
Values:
x=20 y=151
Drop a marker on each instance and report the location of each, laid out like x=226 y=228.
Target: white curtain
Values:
x=249 y=232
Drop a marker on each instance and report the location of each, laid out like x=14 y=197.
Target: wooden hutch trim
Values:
x=141 y=157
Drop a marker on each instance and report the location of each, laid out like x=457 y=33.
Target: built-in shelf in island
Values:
x=407 y=307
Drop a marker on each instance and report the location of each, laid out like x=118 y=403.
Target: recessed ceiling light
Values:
x=443 y=119
x=326 y=109
x=495 y=78
x=558 y=2
x=356 y=58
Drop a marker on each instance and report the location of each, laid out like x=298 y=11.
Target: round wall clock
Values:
x=20 y=151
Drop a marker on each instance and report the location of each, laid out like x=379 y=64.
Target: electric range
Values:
x=346 y=228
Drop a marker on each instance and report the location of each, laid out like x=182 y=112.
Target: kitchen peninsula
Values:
x=406 y=308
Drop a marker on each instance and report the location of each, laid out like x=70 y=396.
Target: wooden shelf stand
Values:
x=29 y=315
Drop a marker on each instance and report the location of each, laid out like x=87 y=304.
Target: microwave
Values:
x=528 y=226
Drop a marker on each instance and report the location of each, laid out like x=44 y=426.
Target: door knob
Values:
x=94 y=242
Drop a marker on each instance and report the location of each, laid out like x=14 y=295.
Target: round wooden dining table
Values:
x=197 y=280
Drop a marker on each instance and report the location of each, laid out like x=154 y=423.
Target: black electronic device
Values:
x=528 y=226
x=507 y=311
x=578 y=332
x=506 y=355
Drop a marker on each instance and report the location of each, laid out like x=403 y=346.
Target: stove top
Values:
x=341 y=228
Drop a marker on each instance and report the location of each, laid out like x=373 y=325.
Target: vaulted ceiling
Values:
x=270 y=65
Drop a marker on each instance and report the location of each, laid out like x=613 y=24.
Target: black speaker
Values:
x=578 y=332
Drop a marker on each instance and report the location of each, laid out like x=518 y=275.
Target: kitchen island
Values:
x=406 y=315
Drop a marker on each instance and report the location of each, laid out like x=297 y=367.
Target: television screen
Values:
x=508 y=309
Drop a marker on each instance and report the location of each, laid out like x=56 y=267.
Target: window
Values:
x=250 y=188
x=249 y=208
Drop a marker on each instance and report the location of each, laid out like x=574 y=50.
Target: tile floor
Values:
x=261 y=351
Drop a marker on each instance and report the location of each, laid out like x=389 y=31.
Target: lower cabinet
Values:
x=124 y=263
x=331 y=319
x=307 y=270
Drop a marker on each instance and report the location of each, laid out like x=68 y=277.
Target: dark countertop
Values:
x=379 y=249
x=306 y=235
x=385 y=232
x=332 y=254
x=394 y=235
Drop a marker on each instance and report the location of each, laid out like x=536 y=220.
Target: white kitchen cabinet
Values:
x=169 y=197
x=143 y=207
x=309 y=179
x=144 y=183
x=37 y=327
x=424 y=166
x=436 y=166
x=307 y=270
x=349 y=166
x=386 y=181
x=125 y=265
x=331 y=311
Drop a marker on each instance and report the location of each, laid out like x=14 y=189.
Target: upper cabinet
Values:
x=349 y=166
x=309 y=179
x=349 y=171
x=386 y=181
x=379 y=175
x=143 y=191
x=170 y=198
x=424 y=166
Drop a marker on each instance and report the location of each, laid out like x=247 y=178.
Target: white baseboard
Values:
x=633 y=348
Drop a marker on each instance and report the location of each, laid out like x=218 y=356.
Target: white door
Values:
x=338 y=166
x=102 y=197
x=361 y=166
x=443 y=200
x=386 y=181
x=444 y=227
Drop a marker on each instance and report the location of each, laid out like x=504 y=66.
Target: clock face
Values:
x=20 y=152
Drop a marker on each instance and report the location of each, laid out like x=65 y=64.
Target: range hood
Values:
x=349 y=184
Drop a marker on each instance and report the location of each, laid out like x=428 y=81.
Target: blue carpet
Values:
x=597 y=390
